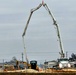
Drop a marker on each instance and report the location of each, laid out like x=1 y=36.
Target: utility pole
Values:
x=22 y=57
x=3 y=65
x=66 y=54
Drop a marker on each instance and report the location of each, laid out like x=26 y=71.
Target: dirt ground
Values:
x=43 y=71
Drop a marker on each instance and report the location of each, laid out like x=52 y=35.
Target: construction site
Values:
x=61 y=66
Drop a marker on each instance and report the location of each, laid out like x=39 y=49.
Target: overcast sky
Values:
x=40 y=39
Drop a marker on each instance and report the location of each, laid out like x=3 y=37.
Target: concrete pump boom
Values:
x=32 y=10
x=54 y=22
x=57 y=29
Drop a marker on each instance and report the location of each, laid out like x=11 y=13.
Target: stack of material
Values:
x=69 y=70
x=25 y=71
x=31 y=71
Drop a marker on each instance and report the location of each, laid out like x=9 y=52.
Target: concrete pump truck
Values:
x=62 y=61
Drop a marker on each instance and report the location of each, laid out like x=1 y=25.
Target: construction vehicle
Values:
x=62 y=55
x=33 y=64
x=50 y=64
x=64 y=63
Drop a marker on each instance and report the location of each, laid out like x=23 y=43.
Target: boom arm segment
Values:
x=32 y=10
x=57 y=29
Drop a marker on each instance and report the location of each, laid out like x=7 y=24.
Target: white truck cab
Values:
x=64 y=63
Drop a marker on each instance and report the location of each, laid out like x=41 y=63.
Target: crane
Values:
x=57 y=30
x=62 y=55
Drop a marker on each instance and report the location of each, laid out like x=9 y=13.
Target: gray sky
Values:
x=41 y=39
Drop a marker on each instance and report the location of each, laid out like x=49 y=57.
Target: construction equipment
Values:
x=64 y=63
x=57 y=29
x=33 y=64
x=54 y=22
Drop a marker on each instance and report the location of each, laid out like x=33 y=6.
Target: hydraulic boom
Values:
x=54 y=22
x=57 y=29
